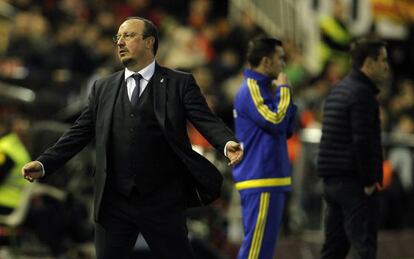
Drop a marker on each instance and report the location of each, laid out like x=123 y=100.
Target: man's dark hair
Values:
x=260 y=48
x=150 y=30
x=364 y=48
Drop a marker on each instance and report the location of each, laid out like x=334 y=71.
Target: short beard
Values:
x=128 y=62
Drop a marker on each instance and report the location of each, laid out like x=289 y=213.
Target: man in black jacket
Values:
x=350 y=155
x=146 y=171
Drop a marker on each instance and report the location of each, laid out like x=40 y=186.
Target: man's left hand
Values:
x=234 y=152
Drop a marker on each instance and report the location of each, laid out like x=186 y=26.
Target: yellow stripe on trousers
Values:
x=260 y=226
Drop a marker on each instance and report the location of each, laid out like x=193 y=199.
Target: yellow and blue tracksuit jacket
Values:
x=263 y=122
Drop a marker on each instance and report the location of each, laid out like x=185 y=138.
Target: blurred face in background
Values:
x=134 y=51
x=275 y=63
x=380 y=71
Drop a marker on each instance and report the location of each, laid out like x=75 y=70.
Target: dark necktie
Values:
x=135 y=94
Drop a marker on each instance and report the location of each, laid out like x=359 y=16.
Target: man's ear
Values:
x=368 y=66
x=265 y=61
x=368 y=62
x=149 y=42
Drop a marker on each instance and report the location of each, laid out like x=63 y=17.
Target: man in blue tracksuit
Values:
x=264 y=112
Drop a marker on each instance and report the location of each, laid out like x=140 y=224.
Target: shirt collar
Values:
x=146 y=73
x=257 y=76
x=357 y=74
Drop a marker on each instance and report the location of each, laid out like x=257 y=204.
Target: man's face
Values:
x=277 y=62
x=380 y=67
x=133 y=50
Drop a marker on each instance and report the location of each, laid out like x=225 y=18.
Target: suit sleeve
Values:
x=200 y=115
x=73 y=140
x=273 y=117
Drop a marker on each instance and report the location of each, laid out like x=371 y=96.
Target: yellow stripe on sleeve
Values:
x=260 y=226
x=263 y=109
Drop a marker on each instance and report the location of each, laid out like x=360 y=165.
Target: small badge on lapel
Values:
x=162 y=80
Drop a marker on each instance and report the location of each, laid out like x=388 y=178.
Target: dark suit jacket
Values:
x=176 y=99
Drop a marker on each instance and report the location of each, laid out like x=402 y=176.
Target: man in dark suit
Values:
x=350 y=155
x=146 y=171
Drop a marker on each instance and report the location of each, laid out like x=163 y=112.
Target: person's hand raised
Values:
x=282 y=79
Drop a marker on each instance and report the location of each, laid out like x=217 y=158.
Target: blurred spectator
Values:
x=402 y=102
x=13 y=155
x=401 y=156
x=179 y=50
x=61 y=215
x=29 y=43
x=244 y=30
x=295 y=68
x=335 y=37
x=198 y=13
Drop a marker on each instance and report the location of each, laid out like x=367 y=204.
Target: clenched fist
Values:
x=32 y=171
x=282 y=79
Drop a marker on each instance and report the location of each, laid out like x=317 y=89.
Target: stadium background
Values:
x=51 y=51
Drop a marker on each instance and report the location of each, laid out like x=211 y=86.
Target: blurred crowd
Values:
x=55 y=49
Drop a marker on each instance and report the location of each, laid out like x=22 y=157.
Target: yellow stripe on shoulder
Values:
x=263 y=109
x=268 y=182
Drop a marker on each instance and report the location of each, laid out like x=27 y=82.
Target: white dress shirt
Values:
x=146 y=73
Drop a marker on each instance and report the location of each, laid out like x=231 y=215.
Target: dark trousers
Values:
x=159 y=217
x=351 y=220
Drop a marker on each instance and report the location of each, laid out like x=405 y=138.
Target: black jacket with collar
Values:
x=176 y=99
x=351 y=133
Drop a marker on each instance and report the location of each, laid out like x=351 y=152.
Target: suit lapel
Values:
x=160 y=95
x=159 y=98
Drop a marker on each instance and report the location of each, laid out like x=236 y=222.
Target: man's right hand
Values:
x=32 y=171
x=282 y=79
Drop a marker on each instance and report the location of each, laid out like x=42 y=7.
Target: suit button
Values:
x=131 y=130
x=131 y=115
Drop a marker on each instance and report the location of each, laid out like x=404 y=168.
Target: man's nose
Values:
x=121 y=41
